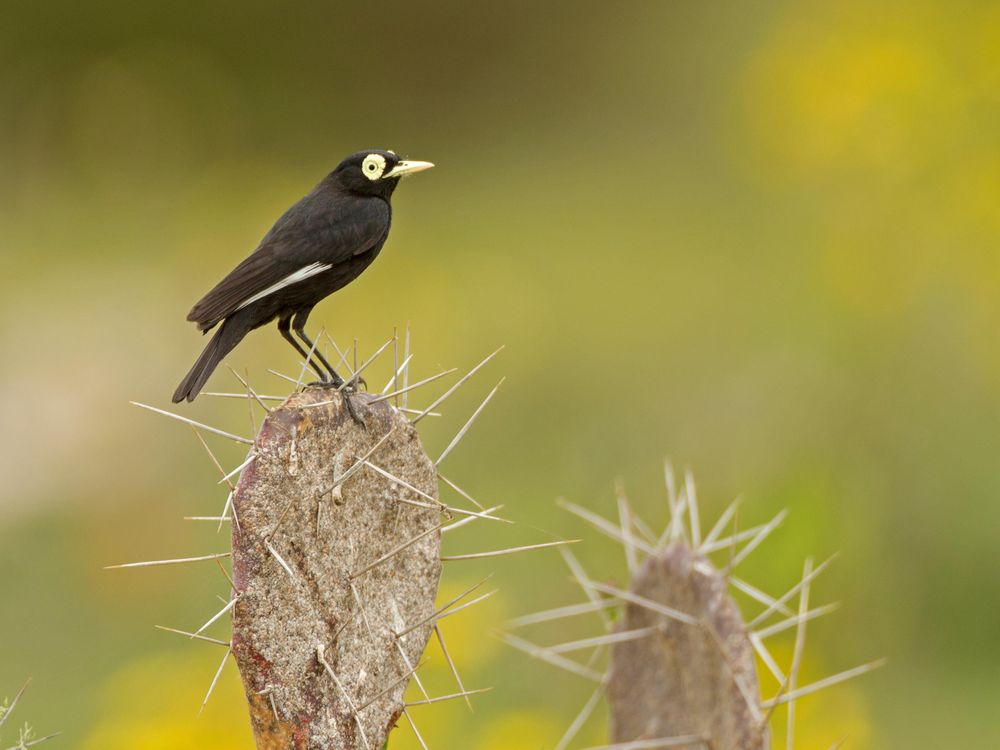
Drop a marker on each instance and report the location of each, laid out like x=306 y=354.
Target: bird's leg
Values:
x=284 y=326
x=333 y=376
x=335 y=380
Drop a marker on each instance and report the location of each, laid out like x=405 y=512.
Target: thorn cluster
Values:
x=336 y=554
x=680 y=656
x=26 y=736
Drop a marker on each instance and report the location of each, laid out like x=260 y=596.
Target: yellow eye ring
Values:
x=373 y=166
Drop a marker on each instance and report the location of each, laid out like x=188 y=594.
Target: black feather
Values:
x=342 y=223
x=324 y=227
x=228 y=336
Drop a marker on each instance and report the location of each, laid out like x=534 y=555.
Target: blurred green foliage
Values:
x=760 y=238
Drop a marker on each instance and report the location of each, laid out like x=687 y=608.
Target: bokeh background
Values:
x=758 y=238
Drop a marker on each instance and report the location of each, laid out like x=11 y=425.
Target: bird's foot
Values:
x=347 y=390
x=357 y=383
x=326 y=384
x=352 y=409
x=339 y=383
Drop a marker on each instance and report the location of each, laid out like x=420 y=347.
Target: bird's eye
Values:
x=373 y=166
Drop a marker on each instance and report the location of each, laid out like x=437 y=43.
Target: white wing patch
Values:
x=301 y=275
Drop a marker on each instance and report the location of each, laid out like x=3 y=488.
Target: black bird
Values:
x=319 y=245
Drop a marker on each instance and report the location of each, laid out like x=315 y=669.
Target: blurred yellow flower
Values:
x=467 y=632
x=152 y=703
x=839 y=90
x=520 y=730
x=823 y=718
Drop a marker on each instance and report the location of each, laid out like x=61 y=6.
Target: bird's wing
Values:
x=307 y=240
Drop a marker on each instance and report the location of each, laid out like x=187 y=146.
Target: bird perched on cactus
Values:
x=318 y=246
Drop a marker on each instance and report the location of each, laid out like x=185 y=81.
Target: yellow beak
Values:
x=404 y=168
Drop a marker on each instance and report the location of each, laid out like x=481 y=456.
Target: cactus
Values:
x=336 y=558
x=320 y=595
x=680 y=656
x=683 y=677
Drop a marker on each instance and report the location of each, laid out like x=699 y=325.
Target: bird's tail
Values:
x=232 y=330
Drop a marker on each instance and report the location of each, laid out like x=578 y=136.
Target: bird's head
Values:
x=376 y=172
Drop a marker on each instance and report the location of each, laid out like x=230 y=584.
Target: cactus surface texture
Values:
x=317 y=615
x=684 y=679
x=336 y=557
x=678 y=660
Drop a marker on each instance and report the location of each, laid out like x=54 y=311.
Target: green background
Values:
x=759 y=239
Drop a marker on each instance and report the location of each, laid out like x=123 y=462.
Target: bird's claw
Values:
x=351 y=408
x=353 y=384
x=347 y=389
x=325 y=384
